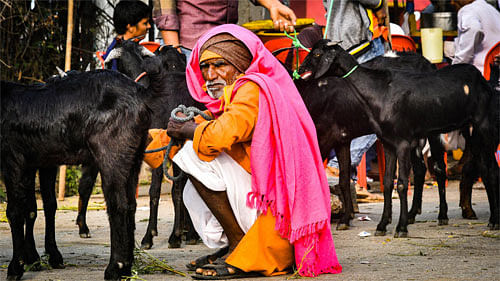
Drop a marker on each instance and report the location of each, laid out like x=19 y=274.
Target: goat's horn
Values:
x=146 y=52
x=113 y=54
x=61 y=72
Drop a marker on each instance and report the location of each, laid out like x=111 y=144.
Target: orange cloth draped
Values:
x=262 y=249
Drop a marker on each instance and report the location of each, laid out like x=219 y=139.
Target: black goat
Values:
x=402 y=107
x=339 y=117
x=167 y=80
x=97 y=117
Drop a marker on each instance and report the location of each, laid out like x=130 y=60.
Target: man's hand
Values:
x=283 y=17
x=181 y=130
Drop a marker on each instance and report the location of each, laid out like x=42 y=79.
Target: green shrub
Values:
x=73 y=175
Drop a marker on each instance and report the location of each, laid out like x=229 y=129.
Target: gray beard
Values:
x=212 y=94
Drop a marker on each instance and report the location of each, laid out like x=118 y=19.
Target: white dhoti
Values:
x=220 y=174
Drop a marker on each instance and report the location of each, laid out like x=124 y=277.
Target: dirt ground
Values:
x=458 y=251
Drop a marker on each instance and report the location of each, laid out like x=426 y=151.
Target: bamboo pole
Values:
x=388 y=20
x=67 y=67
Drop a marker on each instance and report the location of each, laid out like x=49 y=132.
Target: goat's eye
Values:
x=317 y=55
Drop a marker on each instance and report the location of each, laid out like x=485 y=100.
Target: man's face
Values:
x=138 y=30
x=217 y=74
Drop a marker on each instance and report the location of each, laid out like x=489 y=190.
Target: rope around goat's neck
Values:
x=139 y=77
x=296 y=44
x=350 y=71
x=190 y=113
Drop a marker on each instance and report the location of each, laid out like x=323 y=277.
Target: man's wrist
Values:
x=188 y=130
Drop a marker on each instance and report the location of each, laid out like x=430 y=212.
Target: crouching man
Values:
x=256 y=189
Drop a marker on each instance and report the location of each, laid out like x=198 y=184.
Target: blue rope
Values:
x=189 y=112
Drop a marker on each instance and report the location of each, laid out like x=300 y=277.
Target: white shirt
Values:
x=478 y=32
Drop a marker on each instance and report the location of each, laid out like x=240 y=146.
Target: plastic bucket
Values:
x=432 y=44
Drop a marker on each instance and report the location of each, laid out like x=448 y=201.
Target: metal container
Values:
x=447 y=21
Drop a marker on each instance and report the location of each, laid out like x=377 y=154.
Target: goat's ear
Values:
x=114 y=54
x=324 y=64
x=146 y=52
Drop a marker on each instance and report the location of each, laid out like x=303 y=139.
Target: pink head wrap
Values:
x=287 y=171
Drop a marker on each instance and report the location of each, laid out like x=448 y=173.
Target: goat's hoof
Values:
x=191 y=241
x=15 y=270
x=411 y=221
x=401 y=234
x=116 y=271
x=174 y=245
x=469 y=214
x=443 y=222
x=85 y=235
x=56 y=261
x=146 y=246
x=494 y=226
x=380 y=233
x=57 y=265
x=342 y=226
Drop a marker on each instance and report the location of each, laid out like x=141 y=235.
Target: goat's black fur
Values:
x=97 y=117
x=403 y=107
x=167 y=80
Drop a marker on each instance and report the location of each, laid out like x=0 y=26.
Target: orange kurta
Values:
x=232 y=131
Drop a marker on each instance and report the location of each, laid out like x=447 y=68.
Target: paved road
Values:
x=457 y=251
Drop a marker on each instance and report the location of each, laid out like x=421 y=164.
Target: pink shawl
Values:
x=287 y=171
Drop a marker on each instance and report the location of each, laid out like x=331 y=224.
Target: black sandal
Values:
x=208 y=259
x=222 y=272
